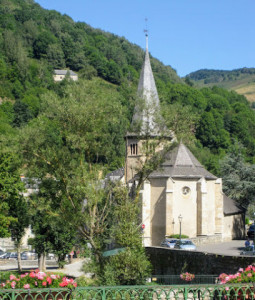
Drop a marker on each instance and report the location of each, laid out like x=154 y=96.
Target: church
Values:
x=180 y=193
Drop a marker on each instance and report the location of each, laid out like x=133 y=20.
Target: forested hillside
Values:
x=240 y=80
x=35 y=41
x=66 y=136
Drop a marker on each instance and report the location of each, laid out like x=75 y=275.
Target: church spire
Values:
x=146 y=113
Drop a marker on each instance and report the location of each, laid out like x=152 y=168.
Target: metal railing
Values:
x=176 y=279
x=185 y=292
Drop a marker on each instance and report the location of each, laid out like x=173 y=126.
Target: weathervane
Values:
x=146 y=33
x=146 y=27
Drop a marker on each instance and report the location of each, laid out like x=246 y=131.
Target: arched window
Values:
x=133 y=149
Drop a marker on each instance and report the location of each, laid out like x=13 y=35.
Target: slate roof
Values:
x=147 y=106
x=116 y=174
x=63 y=72
x=181 y=163
x=230 y=207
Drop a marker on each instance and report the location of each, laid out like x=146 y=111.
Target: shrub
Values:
x=177 y=236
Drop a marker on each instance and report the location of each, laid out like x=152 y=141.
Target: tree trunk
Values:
x=18 y=245
x=42 y=262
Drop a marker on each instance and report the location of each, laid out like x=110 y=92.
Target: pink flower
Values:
x=13 y=283
x=26 y=286
x=53 y=276
x=249 y=275
x=32 y=275
x=44 y=283
x=41 y=275
x=12 y=277
x=49 y=280
x=241 y=270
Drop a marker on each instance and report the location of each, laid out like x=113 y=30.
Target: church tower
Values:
x=147 y=123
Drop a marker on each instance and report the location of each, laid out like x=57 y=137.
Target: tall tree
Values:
x=238 y=177
x=14 y=208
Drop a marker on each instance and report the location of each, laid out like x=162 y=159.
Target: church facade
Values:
x=180 y=189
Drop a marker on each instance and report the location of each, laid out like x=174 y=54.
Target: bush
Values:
x=177 y=236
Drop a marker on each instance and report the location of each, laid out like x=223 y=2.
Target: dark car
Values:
x=250 y=232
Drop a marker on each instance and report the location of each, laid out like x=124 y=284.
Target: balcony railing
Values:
x=175 y=292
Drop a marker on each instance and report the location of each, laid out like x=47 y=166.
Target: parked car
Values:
x=50 y=256
x=168 y=242
x=29 y=255
x=248 y=251
x=13 y=255
x=250 y=231
x=6 y=255
x=185 y=245
x=2 y=254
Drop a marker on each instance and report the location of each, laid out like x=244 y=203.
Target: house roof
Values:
x=181 y=163
x=64 y=72
x=230 y=207
x=116 y=174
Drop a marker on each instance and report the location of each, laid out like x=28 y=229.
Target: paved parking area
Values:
x=231 y=248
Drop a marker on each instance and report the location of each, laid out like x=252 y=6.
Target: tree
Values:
x=238 y=177
x=131 y=266
x=14 y=214
x=66 y=148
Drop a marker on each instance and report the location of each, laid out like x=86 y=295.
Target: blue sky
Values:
x=188 y=35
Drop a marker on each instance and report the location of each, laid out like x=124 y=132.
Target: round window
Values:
x=185 y=190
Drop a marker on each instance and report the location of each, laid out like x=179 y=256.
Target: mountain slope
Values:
x=240 y=80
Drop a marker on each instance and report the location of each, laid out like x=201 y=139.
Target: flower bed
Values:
x=246 y=275
x=37 y=279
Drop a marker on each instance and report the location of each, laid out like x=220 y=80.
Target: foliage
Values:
x=131 y=266
x=177 y=236
x=37 y=279
x=13 y=207
x=238 y=177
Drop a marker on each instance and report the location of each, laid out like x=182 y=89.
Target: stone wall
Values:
x=173 y=262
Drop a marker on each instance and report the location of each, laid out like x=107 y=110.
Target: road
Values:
x=231 y=248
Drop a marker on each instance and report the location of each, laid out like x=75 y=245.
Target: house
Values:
x=59 y=75
x=180 y=189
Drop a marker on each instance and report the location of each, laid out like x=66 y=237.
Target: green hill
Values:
x=240 y=80
x=93 y=114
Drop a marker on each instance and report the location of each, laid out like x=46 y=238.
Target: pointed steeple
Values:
x=147 y=107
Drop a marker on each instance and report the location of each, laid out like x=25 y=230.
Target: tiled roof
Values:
x=116 y=174
x=181 y=163
x=147 y=105
x=63 y=72
x=230 y=207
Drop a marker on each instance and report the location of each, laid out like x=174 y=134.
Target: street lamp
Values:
x=180 y=220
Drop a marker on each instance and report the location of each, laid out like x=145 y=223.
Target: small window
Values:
x=133 y=149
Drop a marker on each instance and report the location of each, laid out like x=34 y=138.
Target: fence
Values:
x=185 y=292
x=176 y=280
